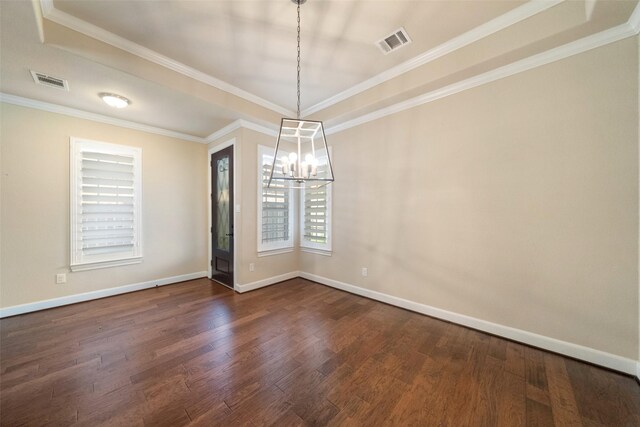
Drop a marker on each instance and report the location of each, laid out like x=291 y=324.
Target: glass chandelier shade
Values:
x=301 y=158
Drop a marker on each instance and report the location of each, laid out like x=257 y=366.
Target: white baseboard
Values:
x=587 y=354
x=266 y=282
x=72 y=299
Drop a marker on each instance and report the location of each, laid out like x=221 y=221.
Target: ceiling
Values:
x=252 y=44
x=195 y=66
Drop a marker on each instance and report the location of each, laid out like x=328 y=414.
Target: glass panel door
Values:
x=222 y=216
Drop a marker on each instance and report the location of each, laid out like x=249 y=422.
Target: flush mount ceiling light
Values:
x=115 y=101
x=301 y=158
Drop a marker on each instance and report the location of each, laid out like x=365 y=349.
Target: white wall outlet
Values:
x=252 y=266
x=365 y=272
x=61 y=278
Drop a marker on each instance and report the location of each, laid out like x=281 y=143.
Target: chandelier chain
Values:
x=298 y=111
x=310 y=165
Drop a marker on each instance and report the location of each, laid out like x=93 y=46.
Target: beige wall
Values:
x=35 y=206
x=246 y=229
x=515 y=202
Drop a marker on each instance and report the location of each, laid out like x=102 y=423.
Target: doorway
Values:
x=222 y=239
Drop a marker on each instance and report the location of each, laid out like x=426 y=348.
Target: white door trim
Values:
x=212 y=150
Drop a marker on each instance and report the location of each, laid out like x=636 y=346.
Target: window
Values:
x=315 y=213
x=106 y=204
x=275 y=207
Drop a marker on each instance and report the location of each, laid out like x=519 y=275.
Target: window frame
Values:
x=278 y=247
x=78 y=260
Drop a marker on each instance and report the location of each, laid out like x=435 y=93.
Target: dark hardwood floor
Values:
x=297 y=353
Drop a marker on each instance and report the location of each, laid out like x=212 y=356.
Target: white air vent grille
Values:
x=394 y=41
x=47 y=80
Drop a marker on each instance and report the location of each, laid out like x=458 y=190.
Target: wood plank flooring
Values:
x=296 y=353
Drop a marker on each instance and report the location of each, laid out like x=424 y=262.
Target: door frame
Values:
x=236 y=227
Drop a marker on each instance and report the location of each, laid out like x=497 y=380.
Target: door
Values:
x=222 y=216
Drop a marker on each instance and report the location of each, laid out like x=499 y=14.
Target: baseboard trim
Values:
x=596 y=357
x=102 y=293
x=266 y=282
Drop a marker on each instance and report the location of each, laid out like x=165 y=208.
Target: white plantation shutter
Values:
x=315 y=212
x=105 y=204
x=315 y=215
x=275 y=206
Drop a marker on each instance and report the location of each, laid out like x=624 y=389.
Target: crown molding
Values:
x=67 y=111
x=73 y=112
x=241 y=123
x=51 y=13
x=47 y=7
x=630 y=28
x=224 y=131
x=37 y=10
x=506 y=20
x=565 y=51
x=634 y=20
x=271 y=131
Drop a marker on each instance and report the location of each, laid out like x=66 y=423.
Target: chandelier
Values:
x=301 y=158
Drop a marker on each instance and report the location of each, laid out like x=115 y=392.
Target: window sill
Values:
x=105 y=264
x=323 y=252
x=274 y=252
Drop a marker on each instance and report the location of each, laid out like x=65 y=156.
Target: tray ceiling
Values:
x=207 y=63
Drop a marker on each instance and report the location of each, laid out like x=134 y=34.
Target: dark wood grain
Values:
x=293 y=354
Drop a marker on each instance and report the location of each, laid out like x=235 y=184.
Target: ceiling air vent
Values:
x=394 y=41
x=47 y=80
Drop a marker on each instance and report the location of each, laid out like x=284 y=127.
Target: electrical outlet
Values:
x=252 y=267
x=365 y=272
x=61 y=278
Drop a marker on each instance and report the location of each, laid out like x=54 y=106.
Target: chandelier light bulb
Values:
x=285 y=165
